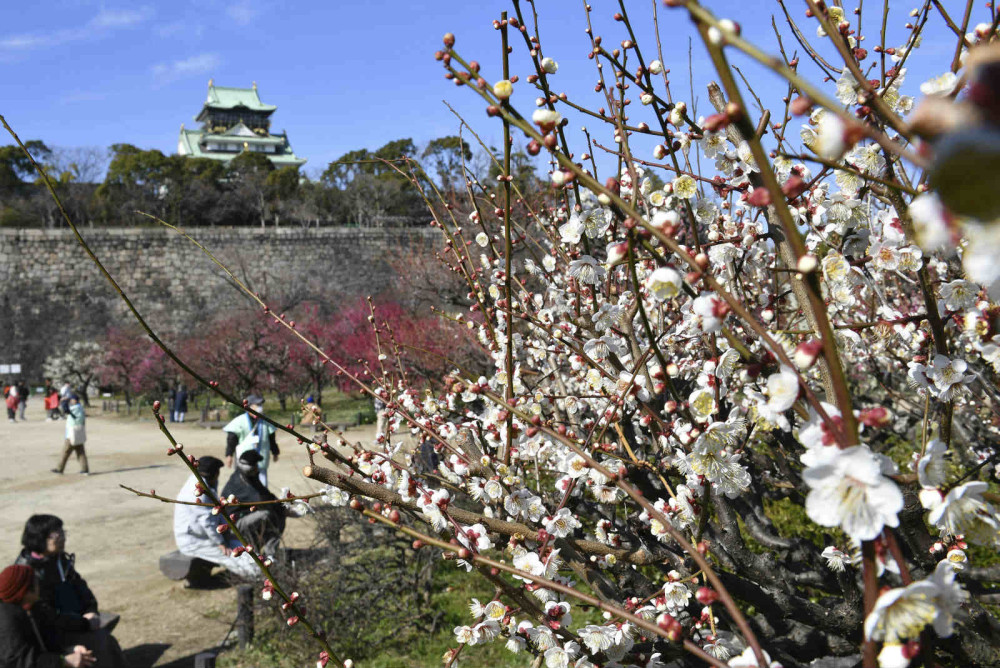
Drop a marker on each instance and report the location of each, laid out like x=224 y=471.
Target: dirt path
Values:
x=118 y=537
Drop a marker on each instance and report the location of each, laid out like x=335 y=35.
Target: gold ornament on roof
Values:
x=255 y=85
x=211 y=82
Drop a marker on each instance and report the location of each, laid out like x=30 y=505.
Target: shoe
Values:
x=48 y=419
x=84 y=472
x=56 y=471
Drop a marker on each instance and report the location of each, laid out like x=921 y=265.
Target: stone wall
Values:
x=52 y=293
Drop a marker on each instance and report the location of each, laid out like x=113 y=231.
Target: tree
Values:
x=137 y=180
x=750 y=417
x=134 y=365
x=282 y=189
x=306 y=363
x=370 y=187
x=248 y=175
x=78 y=364
x=446 y=156
x=522 y=168
x=239 y=351
x=15 y=167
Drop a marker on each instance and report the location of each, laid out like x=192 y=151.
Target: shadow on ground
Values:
x=146 y=656
x=130 y=468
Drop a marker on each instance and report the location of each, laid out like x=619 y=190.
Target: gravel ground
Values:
x=117 y=536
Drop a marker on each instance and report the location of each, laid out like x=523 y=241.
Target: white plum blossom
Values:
x=571 y=231
x=948 y=376
x=847 y=489
x=964 y=512
x=664 y=283
x=782 y=389
x=901 y=613
x=939 y=85
x=836 y=559
x=587 y=270
x=685 y=187
x=931 y=468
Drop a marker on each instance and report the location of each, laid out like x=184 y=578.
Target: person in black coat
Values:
x=21 y=643
x=263 y=525
x=67 y=612
x=180 y=404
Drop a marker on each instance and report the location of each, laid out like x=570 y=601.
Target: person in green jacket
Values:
x=248 y=432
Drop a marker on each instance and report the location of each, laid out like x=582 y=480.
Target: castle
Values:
x=234 y=120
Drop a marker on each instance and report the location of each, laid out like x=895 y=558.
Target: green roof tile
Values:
x=190 y=144
x=222 y=97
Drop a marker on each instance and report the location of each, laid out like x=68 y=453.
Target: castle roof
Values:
x=224 y=97
x=193 y=141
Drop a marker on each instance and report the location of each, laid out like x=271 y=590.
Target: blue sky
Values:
x=343 y=75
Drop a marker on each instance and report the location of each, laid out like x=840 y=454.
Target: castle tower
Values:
x=235 y=120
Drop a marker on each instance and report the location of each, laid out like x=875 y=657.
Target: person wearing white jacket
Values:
x=196 y=529
x=76 y=436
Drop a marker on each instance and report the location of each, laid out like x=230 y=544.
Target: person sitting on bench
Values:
x=196 y=529
x=262 y=525
x=66 y=611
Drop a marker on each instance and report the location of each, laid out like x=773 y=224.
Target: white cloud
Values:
x=198 y=64
x=120 y=18
x=102 y=24
x=242 y=11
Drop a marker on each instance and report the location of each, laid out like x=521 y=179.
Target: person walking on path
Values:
x=12 y=401
x=180 y=405
x=51 y=401
x=21 y=643
x=22 y=396
x=76 y=436
x=248 y=432
x=64 y=393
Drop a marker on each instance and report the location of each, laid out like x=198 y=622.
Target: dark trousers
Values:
x=81 y=456
x=106 y=649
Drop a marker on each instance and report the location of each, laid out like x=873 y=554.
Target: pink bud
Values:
x=706 y=595
x=806 y=353
x=877 y=416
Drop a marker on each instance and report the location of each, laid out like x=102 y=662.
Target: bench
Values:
x=177 y=566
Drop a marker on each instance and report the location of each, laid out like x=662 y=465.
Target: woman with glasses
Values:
x=67 y=610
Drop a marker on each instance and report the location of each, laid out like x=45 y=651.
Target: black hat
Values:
x=254 y=400
x=251 y=456
x=209 y=466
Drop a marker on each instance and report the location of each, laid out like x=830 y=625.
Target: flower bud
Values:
x=503 y=89
x=806 y=353
x=671 y=626
x=807 y=264
x=800 y=106
x=706 y=595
